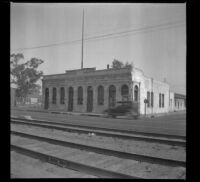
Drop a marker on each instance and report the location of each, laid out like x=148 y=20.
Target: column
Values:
x=85 y=98
x=75 y=88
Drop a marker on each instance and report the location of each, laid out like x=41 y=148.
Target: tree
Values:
x=128 y=65
x=25 y=75
x=116 y=64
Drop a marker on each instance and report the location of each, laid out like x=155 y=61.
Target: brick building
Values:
x=91 y=90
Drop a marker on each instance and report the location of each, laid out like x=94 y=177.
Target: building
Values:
x=12 y=96
x=33 y=98
x=179 y=102
x=171 y=101
x=13 y=88
x=91 y=90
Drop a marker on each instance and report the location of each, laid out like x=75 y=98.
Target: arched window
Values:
x=152 y=99
x=89 y=99
x=100 y=95
x=160 y=100
x=62 y=95
x=136 y=93
x=70 y=98
x=124 y=92
x=163 y=100
x=148 y=98
x=112 y=96
x=80 y=95
x=54 y=96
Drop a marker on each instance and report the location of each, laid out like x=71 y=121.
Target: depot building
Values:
x=91 y=90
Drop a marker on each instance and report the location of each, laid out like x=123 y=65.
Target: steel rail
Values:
x=178 y=137
x=70 y=164
x=120 y=154
x=101 y=133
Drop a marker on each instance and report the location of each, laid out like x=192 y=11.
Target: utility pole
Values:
x=82 y=40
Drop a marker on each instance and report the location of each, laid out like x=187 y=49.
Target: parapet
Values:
x=81 y=70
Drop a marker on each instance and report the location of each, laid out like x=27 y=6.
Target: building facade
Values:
x=91 y=90
x=179 y=102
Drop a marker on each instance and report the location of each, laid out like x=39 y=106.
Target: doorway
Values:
x=89 y=99
x=71 y=95
x=46 y=102
x=112 y=96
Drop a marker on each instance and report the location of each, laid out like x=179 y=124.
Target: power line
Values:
x=110 y=35
x=152 y=28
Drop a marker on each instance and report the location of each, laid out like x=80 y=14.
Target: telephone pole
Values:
x=82 y=40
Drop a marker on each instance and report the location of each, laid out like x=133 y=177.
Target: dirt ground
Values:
x=26 y=167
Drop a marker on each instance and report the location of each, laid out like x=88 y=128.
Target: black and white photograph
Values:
x=98 y=90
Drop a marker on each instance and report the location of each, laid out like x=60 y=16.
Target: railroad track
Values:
x=70 y=164
x=124 y=155
x=84 y=167
x=138 y=136
x=62 y=162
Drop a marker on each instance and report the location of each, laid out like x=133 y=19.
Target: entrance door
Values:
x=112 y=96
x=46 y=101
x=70 y=99
x=89 y=99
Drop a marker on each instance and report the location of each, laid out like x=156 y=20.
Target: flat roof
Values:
x=179 y=96
x=87 y=71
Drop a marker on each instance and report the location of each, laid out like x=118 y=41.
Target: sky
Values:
x=153 y=37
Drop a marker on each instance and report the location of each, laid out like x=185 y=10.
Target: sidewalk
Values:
x=94 y=114
x=57 y=112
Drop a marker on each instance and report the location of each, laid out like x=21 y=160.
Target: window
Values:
x=136 y=93
x=62 y=95
x=159 y=100
x=148 y=98
x=151 y=99
x=100 y=95
x=124 y=92
x=163 y=99
x=54 y=96
x=80 y=95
